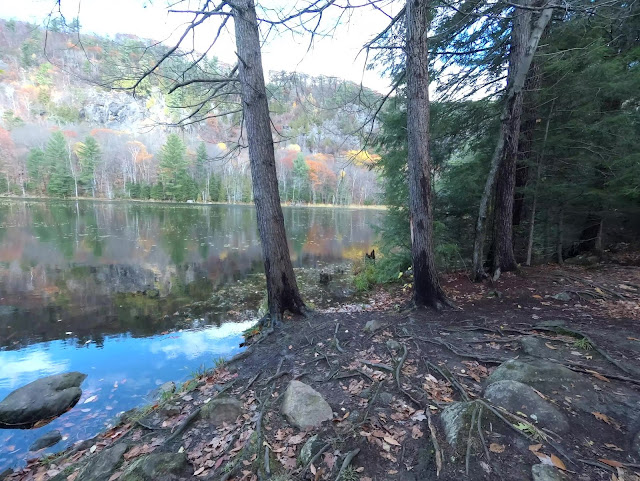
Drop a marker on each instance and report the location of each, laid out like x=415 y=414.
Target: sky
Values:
x=337 y=55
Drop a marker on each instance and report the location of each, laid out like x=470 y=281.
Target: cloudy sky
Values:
x=335 y=55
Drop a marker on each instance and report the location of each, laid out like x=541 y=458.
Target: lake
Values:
x=137 y=294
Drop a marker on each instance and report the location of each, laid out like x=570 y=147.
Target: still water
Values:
x=135 y=295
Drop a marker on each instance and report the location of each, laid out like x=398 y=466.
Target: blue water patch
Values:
x=122 y=373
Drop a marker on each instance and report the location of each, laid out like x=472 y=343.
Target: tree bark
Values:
x=503 y=257
x=282 y=288
x=426 y=288
x=513 y=90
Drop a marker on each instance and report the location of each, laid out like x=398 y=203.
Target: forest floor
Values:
x=578 y=327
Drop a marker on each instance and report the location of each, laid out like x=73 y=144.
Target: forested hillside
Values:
x=71 y=124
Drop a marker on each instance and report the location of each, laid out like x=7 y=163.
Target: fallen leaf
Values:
x=597 y=375
x=496 y=448
x=557 y=462
x=535 y=447
x=611 y=462
x=391 y=441
x=550 y=346
x=613 y=447
x=90 y=399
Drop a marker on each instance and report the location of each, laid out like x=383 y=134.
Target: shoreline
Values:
x=169 y=202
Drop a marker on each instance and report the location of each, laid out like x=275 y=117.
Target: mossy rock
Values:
x=157 y=467
x=222 y=410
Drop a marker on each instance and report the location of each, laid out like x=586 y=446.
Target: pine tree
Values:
x=36 y=168
x=58 y=160
x=300 y=179
x=88 y=156
x=173 y=169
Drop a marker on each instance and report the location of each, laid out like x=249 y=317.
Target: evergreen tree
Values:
x=173 y=169
x=58 y=160
x=36 y=168
x=88 y=156
x=300 y=179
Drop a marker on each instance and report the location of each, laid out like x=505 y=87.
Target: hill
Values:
x=71 y=124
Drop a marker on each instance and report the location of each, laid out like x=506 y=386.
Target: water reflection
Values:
x=101 y=287
x=67 y=266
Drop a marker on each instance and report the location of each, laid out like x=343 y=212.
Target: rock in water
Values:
x=49 y=439
x=515 y=397
x=304 y=407
x=157 y=467
x=545 y=472
x=101 y=466
x=222 y=410
x=41 y=400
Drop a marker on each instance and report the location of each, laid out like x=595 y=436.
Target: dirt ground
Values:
x=388 y=388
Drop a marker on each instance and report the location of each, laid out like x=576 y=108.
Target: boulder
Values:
x=562 y=296
x=456 y=420
x=304 y=407
x=515 y=396
x=157 y=467
x=543 y=375
x=48 y=439
x=44 y=399
x=222 y=410
x=5 y=474
x=535 y=346
x=168 y=387
x=373 y=325
x=546 y=472
x=101 y=466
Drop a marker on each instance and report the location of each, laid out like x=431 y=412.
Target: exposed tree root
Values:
x=347 y=461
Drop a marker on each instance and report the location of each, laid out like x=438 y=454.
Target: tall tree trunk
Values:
x=282 y=288
x=426 y=288
x=532 y=217
x=513 y=91
x=560 y=243
x=503 y=257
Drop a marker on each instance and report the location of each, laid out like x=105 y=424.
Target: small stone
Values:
x=562 y=296
x=386 y=397
x=101 y=466
x=222 y=410
x=373 y=325
x=394 y=345
x=304 y=407
x=546 y=472
x=168 y=387
x=310 y=449
x=48 y=439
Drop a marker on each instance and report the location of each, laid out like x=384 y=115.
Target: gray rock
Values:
x=167 y=387
x=304 y=407
x=6 y=473
x=386 y=397
x=40 y=400
x=373 y=325
x=310 y=449
x=101 y=466
x=222 y=410
x=394 y=345
x=543 y=375
x=545 y=472
x=534 y=346
x=635 y=445
x=562 y=296
x=48 y=439
x=156 y=467
x=456 y=419
x=515 y=396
